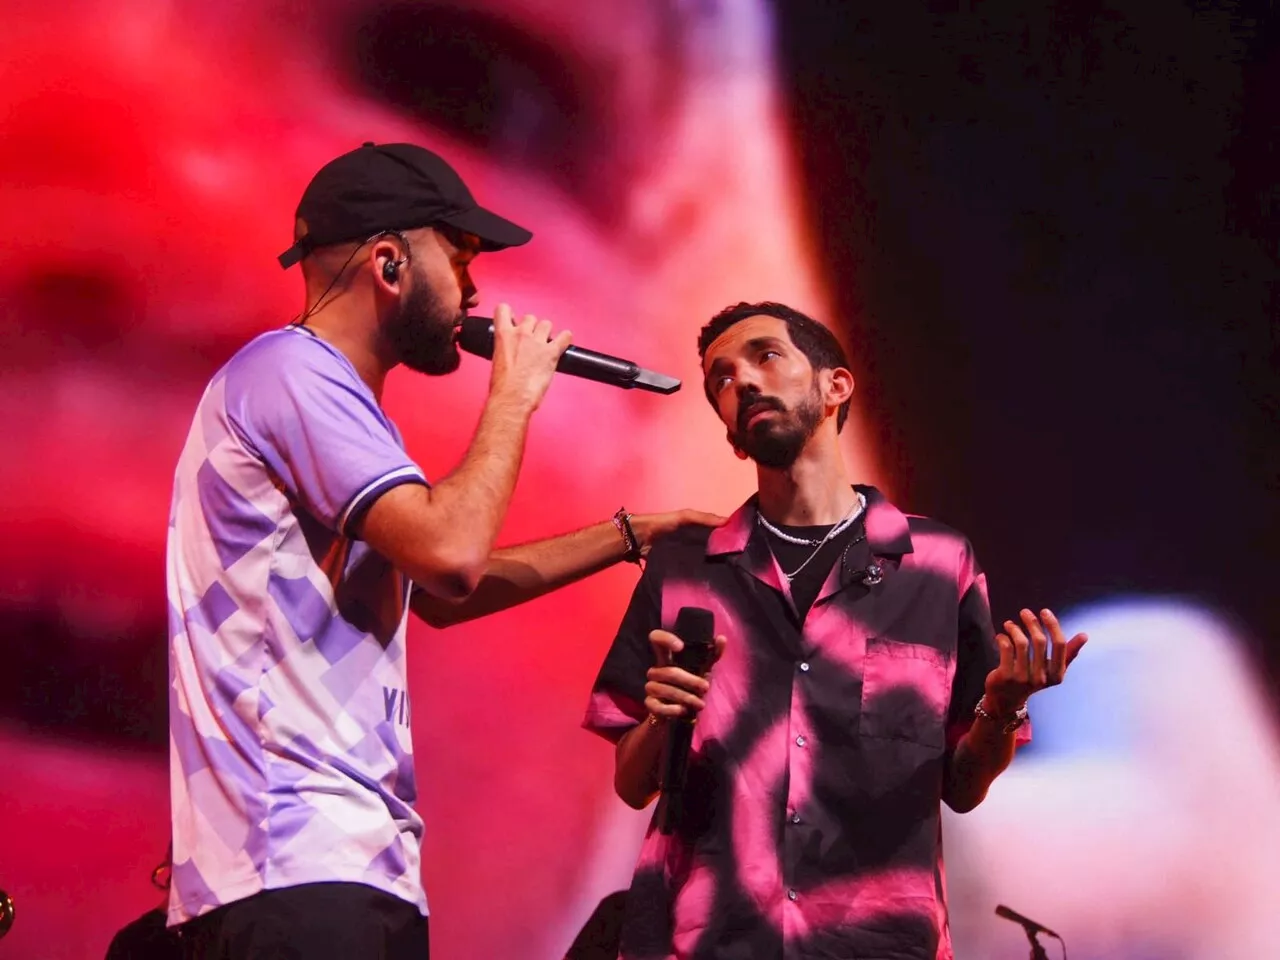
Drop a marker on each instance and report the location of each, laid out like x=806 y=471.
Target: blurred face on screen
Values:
x=152 y=161
x=154 y=156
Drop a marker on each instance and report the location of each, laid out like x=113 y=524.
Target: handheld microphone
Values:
x=476 y=337
x=696 y=627
x=1027 y=924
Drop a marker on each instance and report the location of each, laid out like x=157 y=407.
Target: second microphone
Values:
x=696 y=628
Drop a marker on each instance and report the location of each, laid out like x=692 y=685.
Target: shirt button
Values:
x=804 y=668
x=791 y=894
x=801 y=741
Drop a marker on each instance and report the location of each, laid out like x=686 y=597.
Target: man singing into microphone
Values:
x=300 y=535
x=860 y=684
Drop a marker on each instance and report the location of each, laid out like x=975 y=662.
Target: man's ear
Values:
x=387 y=261
x=837 y=386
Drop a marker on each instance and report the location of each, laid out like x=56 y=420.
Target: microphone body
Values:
x=1026 y=922
x=696 y=627
x=476 y=337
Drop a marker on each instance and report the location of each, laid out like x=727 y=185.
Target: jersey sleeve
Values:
x=318 y=428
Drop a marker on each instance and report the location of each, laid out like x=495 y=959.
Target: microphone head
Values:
x=696 y=627
x=475 y=335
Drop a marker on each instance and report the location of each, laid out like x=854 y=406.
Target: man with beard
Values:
x=858 y=684
x=300 y=535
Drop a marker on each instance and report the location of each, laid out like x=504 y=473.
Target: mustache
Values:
x=753 y=403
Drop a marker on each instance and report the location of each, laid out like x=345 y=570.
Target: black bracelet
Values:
x=635 y=541
x=622 y=520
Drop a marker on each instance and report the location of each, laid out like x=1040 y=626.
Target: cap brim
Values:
x=495 y=232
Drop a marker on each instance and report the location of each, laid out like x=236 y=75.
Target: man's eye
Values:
x=769 y=353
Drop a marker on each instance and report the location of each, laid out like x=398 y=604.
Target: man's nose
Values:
x=470 y=297
x=746 y=381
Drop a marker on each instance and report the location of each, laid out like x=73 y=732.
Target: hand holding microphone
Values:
x=524 y=356
x=677 y=684
x=675 y=690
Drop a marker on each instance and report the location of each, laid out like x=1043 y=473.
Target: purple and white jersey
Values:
x=290 y=754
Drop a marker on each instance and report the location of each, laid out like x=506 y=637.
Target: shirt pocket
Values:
x=905 y=692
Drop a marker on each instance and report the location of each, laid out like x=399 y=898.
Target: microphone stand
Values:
x=1032 y=930
x=1037 y=949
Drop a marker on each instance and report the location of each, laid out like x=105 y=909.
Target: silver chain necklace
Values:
x=854 y=512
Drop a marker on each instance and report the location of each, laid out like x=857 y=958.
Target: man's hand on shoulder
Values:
x=650 y=527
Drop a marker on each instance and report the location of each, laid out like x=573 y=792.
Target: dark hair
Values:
x=816 y=342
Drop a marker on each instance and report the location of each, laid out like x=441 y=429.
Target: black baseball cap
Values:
x=392 y=186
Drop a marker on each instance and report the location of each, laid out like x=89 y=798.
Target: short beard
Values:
x=422 y=331
x=778 y=443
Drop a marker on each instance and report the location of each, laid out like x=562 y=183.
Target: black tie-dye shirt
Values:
x=812 y=827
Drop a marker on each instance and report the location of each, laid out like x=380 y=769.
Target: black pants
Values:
x=314 y=921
